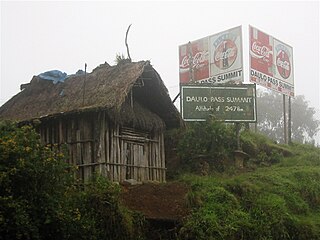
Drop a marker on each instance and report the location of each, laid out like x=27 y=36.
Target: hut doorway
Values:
x=136 y=147
x=134 y=160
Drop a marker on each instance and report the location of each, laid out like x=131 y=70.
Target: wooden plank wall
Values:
x=96 y=145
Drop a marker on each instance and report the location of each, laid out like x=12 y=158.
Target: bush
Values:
x=211 y=141
x=262 y=151
x=40 y=198
x=32 y=184
x=102 y=216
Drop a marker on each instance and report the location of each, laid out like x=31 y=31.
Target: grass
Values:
x=281 y=201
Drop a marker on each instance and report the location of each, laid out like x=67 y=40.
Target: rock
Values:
x=131 y=182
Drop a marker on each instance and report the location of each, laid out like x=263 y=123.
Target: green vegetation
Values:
x=277 y=196
x=41 y=199
x=206 y=143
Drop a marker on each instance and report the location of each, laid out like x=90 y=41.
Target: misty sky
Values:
x=41 y=36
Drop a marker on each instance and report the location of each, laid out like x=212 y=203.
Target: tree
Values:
x=270 y=117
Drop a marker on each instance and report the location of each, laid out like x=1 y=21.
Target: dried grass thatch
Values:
x=105 y=88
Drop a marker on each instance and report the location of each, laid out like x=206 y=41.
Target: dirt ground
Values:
x=166 y=201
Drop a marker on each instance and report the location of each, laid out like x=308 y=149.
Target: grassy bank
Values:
x=276 y=197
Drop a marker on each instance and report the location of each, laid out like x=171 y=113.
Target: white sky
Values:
x=41 y=36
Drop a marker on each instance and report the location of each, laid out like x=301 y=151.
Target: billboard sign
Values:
x=213 y=59
x=232 y=103
x=271 y=62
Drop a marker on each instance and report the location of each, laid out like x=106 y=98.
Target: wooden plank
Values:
x=60 y=133
x=157 y=160
x=146 y=161
x=118 y=155
x=154 y=170
x=107 y=147
x=132 y=169
x=135 y=160
x=123 y=158
x=150 y=162
x=102 y=149
x=68 y=138
x=138 y=164
x=142 y=166
x=52 y=132
x=47 y=135
x=163 y=159
x=78 y=155
x=84 y=125
x=113 y=159
x=115 y=149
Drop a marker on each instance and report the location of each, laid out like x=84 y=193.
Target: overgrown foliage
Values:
x=211 y=141
x=262 y=150
x=281 y=201
x=41 y=199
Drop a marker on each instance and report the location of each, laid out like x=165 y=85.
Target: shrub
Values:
x=33 y=181
x=212 y=141
x=40 y=198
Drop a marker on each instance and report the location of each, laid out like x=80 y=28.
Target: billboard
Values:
x=213 y=59
x=233 y=103
x=271 y=62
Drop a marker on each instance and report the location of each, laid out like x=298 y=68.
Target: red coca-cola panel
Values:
x=196 y=54
x=283 y=64
x=261 y=52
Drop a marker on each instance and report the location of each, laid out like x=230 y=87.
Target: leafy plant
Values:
x=212 y=141
x=41 y=199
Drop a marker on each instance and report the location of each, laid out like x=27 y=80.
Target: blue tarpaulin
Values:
x=54 y=75
x=57 y=76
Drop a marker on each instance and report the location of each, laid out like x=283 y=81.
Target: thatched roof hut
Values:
x=112 y=119
x=106 y=87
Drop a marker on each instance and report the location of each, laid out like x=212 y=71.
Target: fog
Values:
x=41 y=36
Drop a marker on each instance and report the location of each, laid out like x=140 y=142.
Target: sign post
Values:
x=284 y=119
x=289 y=121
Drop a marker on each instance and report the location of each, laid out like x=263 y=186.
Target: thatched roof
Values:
x=107 y=87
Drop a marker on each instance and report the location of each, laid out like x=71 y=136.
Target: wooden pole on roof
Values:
x=127 y=42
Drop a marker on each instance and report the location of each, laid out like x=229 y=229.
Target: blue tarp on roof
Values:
x=54 y=75
x=57 y=76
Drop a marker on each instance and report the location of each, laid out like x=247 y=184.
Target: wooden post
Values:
x=289 y=121
x=107 y=147
x=78 y=157
x=284 y=120
x=163 y=157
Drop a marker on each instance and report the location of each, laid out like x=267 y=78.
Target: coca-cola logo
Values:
x=260 y=51
x=199 y=60
x=225 y=54
x=283 y=64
